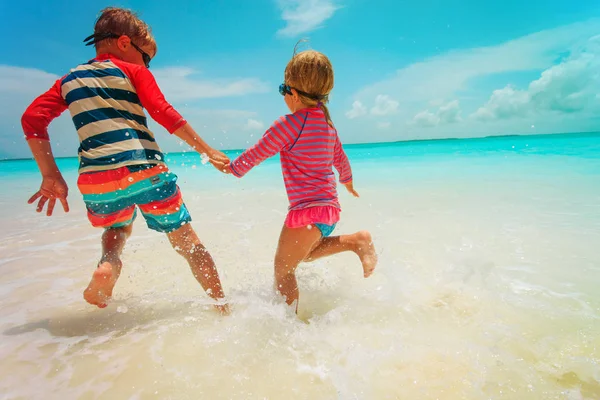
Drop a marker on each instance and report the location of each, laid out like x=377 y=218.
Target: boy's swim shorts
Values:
x=111 y=197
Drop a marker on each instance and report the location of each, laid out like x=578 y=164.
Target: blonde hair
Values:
x=120 y=21
x=312 y=73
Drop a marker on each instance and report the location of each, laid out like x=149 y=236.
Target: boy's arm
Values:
x=279 y=135
x=341 y=163
x=186 y=133
x=35 y=122
x=164 y=113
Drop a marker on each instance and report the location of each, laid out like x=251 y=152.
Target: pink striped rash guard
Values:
x=308 y=148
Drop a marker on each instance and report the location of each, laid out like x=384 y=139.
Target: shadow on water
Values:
x=118 y=319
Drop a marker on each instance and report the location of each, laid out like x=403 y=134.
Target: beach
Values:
x=486 y=287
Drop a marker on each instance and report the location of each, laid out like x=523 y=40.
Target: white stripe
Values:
x=107 y=125
x=95 y=65
x=110 y=82
x=93 y=103
x=120 y=147
x=91 y=168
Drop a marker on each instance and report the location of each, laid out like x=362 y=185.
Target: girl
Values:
x=309 y=147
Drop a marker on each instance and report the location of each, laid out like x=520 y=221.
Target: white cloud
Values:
x=426 y=118
x=446 y=114
x=254 y=125
x=181 y=84
x=504 y=103
x=384 y=105
x=571 y=86
x=18 y=88
x=358 y=110
x=303 y=16
x=444 y=75
x=25 y=80
x=460 y=74
x=384 y=125
x=450 y=112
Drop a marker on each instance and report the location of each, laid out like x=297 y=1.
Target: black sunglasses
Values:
x=287 y=89
x=93 y=39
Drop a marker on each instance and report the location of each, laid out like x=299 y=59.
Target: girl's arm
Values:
x=341 y=163
x=281 y=134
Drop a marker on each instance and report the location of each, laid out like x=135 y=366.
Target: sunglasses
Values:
x=284 y=89
x=92 y=39
x=287 y=89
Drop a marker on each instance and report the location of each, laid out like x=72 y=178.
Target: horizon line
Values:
x=377 y=143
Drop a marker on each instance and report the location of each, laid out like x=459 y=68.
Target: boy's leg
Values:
x=105 y=194
x=99 y=291
x=359 y=243
x=186 y=243
x=294 y=246
x=164 y=211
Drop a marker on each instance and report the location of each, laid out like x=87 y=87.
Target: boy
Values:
x=121 y=165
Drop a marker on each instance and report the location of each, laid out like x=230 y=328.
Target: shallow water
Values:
x=486 y=287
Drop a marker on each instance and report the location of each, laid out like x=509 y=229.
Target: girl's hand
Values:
x=350 y=188
x=52 y=188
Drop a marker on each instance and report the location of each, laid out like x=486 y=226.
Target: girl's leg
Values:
x=99 y=291
x=185 y=241
x=359 y=243
x=294 y=246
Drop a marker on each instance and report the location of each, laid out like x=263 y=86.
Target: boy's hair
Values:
x=312 y=73
x=120 y=21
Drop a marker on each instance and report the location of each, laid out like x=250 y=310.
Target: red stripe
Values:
x=168 y=203
x=103 y=220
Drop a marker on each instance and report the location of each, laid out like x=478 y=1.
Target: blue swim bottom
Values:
x=326 y=230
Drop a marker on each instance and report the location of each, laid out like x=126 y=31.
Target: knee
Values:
x=119 y=233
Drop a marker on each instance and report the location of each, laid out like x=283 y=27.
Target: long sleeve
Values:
x=151 y=97
x=341 y=163
x=281 y=134
x=42 y=111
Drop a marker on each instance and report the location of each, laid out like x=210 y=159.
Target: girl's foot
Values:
x=365 y=250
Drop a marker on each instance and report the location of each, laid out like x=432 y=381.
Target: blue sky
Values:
x=403 y=70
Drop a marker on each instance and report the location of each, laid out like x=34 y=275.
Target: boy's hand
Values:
x=52 y=188
x=219 y=160
x=350 y=188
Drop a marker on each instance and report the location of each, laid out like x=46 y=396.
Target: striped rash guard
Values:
x=308 y=148
x=106 y=98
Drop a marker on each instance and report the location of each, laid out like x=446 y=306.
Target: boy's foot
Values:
x=366 y=252
x=99 y=291
x=223 y=309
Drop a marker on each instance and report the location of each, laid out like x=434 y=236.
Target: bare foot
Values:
x=223 y=309
x=99 y=291
x=366 y=252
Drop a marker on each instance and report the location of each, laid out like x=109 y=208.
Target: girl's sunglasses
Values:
x=287 y=89
x=92 y=39
x=284 y=89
